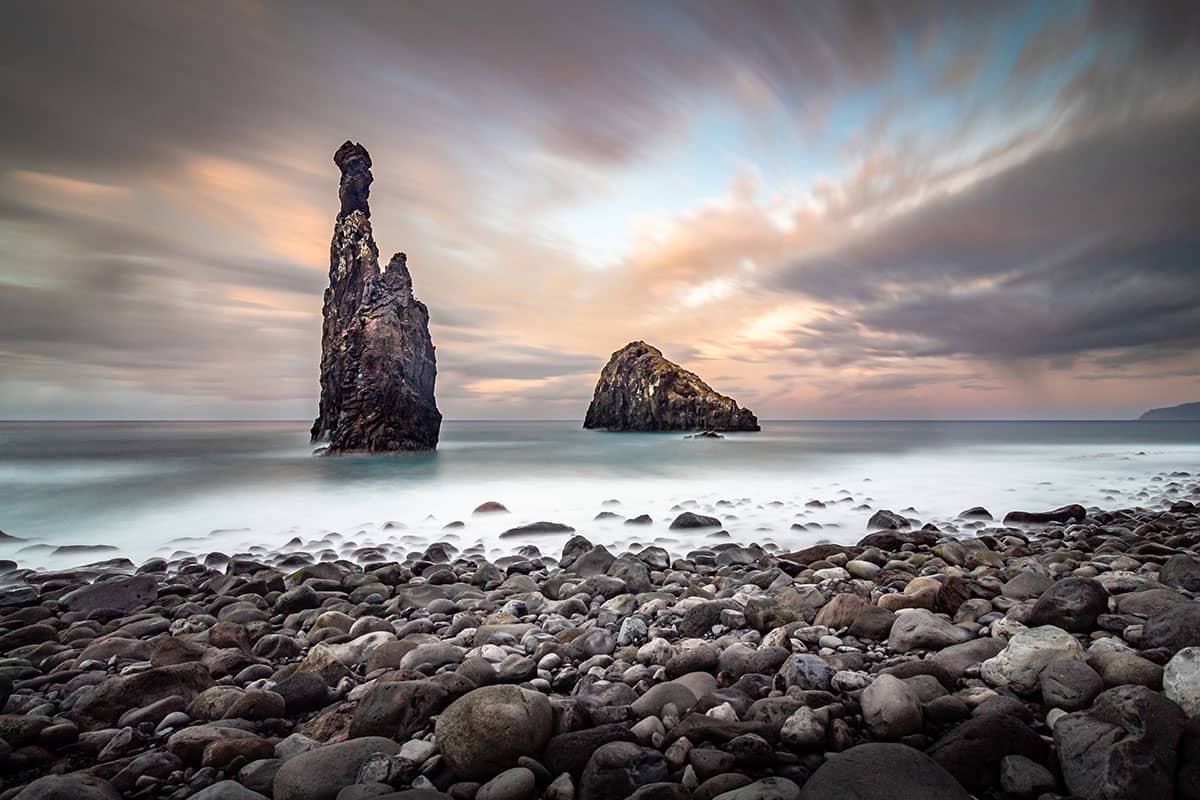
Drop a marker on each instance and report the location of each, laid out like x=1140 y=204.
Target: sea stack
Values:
x=377 y=361
x=639 y=390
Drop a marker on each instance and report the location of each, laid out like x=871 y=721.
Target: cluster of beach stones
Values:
x=985 y=659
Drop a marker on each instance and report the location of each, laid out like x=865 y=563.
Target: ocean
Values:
x=161 y=488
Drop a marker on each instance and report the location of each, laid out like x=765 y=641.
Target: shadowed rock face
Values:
x=377 y=361
x=639 y=390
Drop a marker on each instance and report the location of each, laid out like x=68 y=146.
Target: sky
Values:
x=826 y=209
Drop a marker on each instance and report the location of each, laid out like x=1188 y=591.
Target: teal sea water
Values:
x=162 y=487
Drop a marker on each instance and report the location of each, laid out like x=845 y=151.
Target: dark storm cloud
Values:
x=143 y=81
x=1089 y=247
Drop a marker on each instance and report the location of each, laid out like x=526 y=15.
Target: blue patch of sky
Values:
x=666 y=181
x=789 y=149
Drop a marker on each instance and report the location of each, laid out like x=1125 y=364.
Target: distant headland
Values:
x=1181 y=412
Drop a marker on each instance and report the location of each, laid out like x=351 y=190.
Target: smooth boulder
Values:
x=397 y=709
x=1071 y=604
x=890 y=708
x=124 y=594
x=486 y=730
x=320 y=773
x=69 y=787
x=921 y=629
x=617 y=769
x=880 y=771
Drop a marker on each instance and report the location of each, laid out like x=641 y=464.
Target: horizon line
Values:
x=516 y=419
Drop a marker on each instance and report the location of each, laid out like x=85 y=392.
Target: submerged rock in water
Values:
x=1064 y=514
x=377 y=360
x=639 y=390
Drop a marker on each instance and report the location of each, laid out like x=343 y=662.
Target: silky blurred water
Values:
x=143 y=487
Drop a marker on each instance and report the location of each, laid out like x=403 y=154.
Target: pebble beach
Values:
x=1038 y=654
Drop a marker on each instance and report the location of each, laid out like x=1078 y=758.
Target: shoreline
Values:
x=167 y=490
x=987 y=660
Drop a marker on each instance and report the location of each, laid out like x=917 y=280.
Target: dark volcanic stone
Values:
x=1069 y=683
x=397 y=709
x=320 y=774
x=1187 y=783
x=886 y=520
x=535 y=528
x=663 y=790
x=894 y=540
x=30 y=634
x=957 y=658
x=874 y=623
x=107 y=701
x=69 y=787
x=1181 y=572
x=690 y=520
x=972 y=752
x=773 y=788
x=486 y=730
x=298 y=599
x=617 y=769
x=377 y=360
x=1071 y=604
x=303 y=691
x=569 y=752
x=709 y=761
x=703 y=658
x=807 y=671
x=639 y=390
x=1126 y=745
x=355 y=186
x=1063 y=514
x=976 y=512
x=1176 y=628
x=1026 y=584
x=700 y=618
x=720 y=784
x=123 y=594
x=882 y=772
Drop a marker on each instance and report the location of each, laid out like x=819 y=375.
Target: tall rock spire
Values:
x=377 y=361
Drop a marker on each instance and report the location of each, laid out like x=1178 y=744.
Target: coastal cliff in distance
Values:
x=377 y=362
x=639 y=390
x=1186 y=412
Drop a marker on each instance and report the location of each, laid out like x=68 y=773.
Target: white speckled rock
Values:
x=1181 y=680
x=1020 y=663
